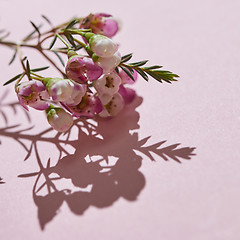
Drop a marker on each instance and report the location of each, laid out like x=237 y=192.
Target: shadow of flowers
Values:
x=104 y=166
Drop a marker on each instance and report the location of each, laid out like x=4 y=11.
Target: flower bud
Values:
x=59 y=119
x=81 y=69
x=110 y=63
x=102 y=46
x=31 y=94
x=78 y=92
x=59 y=89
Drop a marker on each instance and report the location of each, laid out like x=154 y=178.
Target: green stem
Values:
x=80 y=43
x=36 y=76
x=19 y=80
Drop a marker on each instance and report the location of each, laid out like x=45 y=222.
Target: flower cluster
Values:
x=95 y=77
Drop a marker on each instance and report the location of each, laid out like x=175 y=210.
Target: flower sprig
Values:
x=94 y=75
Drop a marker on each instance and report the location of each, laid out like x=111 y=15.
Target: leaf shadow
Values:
x=104 y=166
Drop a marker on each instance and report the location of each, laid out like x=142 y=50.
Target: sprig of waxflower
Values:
x=94 y=77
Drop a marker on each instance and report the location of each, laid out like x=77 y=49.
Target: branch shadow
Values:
x=1 y=181
x=104 y=166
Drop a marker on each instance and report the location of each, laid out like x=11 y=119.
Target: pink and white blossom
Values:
x=81 y=69
x=108 y=83
x=88 y=107
x=113 y=107
x=32 y=93
x=100 y=23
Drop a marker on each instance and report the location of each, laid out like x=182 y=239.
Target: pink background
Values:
x=139 y=198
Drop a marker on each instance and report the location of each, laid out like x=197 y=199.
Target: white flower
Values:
x=108 y=84
x=113 y=107
x=108 y=64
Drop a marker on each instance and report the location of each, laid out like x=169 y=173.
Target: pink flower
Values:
x=100 y=23
x=31 y=94
x=88 y=107
x=81 y=69
x=128 y=94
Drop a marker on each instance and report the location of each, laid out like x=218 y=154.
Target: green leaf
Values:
x=129 y=68
x=78 y=47
x=53 y=42
x=4 y=36
x=138 y=64
x=72 y=23
x=39 y=69
x=47 y=20
x=126 y=58
x=29 y=35
x=117 y=70
x=36 y=28
x=70 y=39
x=60 y=58
x=162 y=75
x=143 y=74
x=152 y=67
x=127 y=72
x=13 y=57
x=28 y=70
x=13 y=79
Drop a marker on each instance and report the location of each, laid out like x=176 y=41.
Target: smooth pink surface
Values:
x=198 y=199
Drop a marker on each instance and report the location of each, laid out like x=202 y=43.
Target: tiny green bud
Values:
x=88 y=35
x=71 y=53
x=95 y=57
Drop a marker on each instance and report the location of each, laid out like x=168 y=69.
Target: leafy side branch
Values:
x=153 y=71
